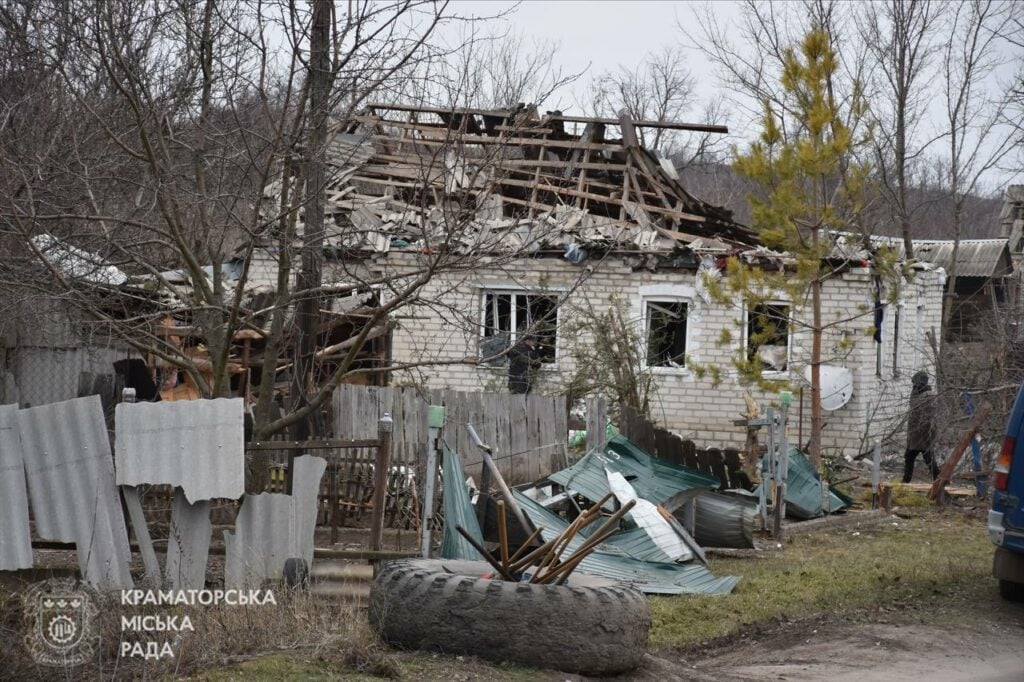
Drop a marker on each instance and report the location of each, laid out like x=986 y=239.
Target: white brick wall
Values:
x=442 y=329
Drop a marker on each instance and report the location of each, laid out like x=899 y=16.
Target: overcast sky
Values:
x=599 y=35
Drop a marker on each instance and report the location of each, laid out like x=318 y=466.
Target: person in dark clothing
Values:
x=523 y=363
x=920 y=427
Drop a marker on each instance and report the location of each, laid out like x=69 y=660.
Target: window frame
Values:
x=745 y=348
x=645 y=328
x=484 y=291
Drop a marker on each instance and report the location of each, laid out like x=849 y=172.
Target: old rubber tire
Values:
x=1011 y=591
x=592 y=625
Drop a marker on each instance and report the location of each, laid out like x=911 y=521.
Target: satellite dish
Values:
x=836 y=385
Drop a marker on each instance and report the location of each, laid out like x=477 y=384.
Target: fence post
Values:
x=876 y=464
x=782 y=471
x=380 y=480
x=435 y=421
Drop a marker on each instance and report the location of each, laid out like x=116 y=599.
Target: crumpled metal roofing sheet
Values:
x=803 y=489
x=651 y=478
x=272 y=528
x=613 y=561
x=15 y=537
x=196 y=444
x=70 y=474
x=724 y=520
x=458 y=510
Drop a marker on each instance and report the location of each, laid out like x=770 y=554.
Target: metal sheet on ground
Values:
x=458 y=511
x=198 y=445
x=613 y=561
x=15 y=538
x=70 y=474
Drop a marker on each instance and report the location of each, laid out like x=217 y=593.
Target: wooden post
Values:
x=435 y=421
x=380 y=481
x=946 y=475
x=334 y=501
x=876 y=463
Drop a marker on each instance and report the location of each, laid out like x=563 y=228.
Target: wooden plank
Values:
x=597 y=417
x=309 y=444
x=503 y=437
x=518 y=436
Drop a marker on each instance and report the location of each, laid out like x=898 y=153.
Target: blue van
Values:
x=1006 y=519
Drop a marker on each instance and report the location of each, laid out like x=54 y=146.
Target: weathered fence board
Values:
x=666 y=445
x=526 y=433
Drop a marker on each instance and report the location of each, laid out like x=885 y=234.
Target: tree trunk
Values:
x=816 y=415
x=310 y=275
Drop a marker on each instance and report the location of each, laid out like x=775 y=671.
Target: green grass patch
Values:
x=831 y=572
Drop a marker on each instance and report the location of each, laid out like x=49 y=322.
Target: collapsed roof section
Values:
x=511 y=181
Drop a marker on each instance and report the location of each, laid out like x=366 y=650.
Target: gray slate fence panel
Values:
x=70 y=472
x=15 y=539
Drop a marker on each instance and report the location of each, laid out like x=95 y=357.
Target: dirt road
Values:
x=983 y=651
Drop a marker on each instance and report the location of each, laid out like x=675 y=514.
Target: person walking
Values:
x=920 y=427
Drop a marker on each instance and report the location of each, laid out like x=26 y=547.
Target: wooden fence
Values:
x=726 y=464
x=526 y=432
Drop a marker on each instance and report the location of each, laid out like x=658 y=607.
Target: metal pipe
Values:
x=485 y=554
x=485 y=452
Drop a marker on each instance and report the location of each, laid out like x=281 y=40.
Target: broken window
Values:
x=768 y=335
x=508 y=314
x=666 y=333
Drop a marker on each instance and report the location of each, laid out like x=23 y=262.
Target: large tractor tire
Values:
x=591 y=625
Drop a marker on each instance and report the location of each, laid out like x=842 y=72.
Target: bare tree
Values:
x=902 y=37
x=977 y=140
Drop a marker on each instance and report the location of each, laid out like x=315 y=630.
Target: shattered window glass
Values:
x=666 y=333
x=507 y=315
x=768 y=335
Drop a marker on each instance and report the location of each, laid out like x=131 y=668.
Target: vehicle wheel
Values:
x=591 y=625
x=1011 y=591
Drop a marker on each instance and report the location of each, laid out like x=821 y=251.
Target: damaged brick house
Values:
x=564 y=216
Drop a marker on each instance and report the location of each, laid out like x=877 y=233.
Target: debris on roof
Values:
x=502 y=180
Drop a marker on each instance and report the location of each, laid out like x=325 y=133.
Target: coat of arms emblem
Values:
x=61 y=620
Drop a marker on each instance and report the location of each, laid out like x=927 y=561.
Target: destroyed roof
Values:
x=974 y=257
x=513 y=180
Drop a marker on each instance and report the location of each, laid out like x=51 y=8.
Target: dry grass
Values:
x=935 y=557
x=332 y=637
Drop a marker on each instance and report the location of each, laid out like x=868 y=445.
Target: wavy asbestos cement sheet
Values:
x=198 y=445
x=188 y=543
x=271 y=528
x=70 y=474
x=15 y=537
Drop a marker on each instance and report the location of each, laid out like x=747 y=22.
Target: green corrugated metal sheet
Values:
x=458 y=511
x=653 y=479
x=803 y=489
x=624 y=559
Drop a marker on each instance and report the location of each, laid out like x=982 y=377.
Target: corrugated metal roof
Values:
x=974 y=257
x=70 y=475
x=188 y=543
x=15 y=537
x=458 y=510
x=653 y=479
x=272 y=528
x=613 y=560
x=196 y=444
